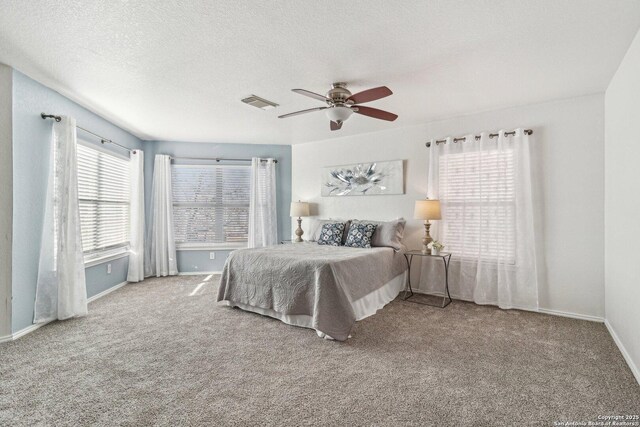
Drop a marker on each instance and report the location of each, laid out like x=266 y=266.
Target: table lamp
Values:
x=299 y=209
x=427 y=210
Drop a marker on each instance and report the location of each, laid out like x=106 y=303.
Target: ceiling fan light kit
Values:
x=341 y=104
x=339 y=113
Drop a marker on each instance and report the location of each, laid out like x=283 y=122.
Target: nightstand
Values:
x=446 y=258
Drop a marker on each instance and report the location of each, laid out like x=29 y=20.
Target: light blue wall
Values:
x=98 y=280
x=192 y=261
x=31 y=145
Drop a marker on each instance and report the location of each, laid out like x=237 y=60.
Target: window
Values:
x=210 y=205
x=478 y=198
x=103 y=192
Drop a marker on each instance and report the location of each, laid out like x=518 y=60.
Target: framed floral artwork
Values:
x=363 y=179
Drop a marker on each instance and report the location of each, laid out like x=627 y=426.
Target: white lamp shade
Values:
x=299 y=209
x=427 y=209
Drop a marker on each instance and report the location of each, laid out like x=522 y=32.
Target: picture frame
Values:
x=363 y=179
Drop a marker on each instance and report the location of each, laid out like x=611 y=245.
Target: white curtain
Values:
x=161 y=250
x=488 y=217
x=263 y=222
x=136 y=224
x=61 y=291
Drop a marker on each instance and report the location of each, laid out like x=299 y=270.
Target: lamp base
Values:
x=426 y=240
x=299 y=231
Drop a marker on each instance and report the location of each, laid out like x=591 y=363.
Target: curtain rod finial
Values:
x=50 y=116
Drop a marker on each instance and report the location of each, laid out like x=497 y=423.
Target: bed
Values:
x=326 y=288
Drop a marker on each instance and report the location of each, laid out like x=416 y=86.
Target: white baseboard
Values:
x=6 y=338
x=28 y=330
x=23 y=332
x=198 y=273
x=540 y=310
x=35 y=326
x=578 y=316
x=106 y=291
x=623 y=350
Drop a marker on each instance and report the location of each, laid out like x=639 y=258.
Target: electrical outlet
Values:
x=212 y=255
x=108 y=268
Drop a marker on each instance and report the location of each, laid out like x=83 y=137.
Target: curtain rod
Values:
x=464 y=138
x=217 y=159
x=103 y=140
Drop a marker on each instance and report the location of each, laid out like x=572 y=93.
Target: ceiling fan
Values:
x=341 y=104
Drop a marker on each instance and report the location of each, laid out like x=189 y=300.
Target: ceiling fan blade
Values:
x=284 y=116
x=335 y=125
x=370 y=95
x=375 y=113
x=311 y=95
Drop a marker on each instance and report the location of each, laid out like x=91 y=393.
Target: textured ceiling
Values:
x=175 y=70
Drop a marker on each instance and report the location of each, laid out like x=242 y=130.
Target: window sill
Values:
x=223 y=247
x=105 y=258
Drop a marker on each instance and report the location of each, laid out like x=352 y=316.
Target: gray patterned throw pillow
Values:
x=331 y=234
x=388 y=233
x=360 y=235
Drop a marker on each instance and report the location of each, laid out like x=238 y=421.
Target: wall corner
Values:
x=6 y=197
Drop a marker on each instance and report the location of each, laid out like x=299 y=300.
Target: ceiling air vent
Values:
x=260 y=103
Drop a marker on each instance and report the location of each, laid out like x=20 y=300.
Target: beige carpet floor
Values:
x=162 y=353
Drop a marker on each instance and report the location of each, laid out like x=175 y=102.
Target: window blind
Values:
x=103 y=191
x=210 y=204
x=478 y=198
